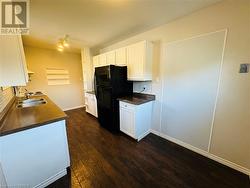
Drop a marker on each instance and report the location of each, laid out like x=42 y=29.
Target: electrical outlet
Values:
x=244 y=68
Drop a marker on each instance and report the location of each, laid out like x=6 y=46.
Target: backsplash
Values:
x=5 y=97
x=138 y=87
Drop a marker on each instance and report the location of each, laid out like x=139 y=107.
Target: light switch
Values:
x=244 y=68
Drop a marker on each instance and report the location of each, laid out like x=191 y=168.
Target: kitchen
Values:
x=164 y=105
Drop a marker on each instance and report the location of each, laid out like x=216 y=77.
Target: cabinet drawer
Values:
x=127 y=105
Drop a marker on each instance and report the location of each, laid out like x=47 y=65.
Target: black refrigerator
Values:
x=110 y=83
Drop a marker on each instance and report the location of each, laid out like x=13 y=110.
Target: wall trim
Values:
x=217 y=92
x=225 y=30
x=196 y=36
x=188 y=146
x=204 y=153
x=52 y=179
x=75 y=107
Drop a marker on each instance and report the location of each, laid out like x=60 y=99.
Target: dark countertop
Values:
x=19 y=119
x=91 y=92
x=138 y=98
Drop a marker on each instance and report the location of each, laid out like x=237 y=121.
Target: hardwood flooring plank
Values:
x=100 y=158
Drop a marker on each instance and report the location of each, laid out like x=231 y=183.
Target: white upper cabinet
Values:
x=13 y=69
x=121 y=57
x=137 y=57
x=110 y=58
x=96 y=61
x=102 y=60
x=139 y=61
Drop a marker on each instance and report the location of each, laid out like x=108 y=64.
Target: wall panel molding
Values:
x=190 y=87
x=204 y=153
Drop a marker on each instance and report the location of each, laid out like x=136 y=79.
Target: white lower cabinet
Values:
x=34 y=157
x=127 y=121
x=91 y=104
x=135 y=120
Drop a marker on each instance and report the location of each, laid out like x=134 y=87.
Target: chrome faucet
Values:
x=28 y=94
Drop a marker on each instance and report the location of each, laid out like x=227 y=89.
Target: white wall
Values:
x=190 y=77
x=231 y=131
x=65 y=96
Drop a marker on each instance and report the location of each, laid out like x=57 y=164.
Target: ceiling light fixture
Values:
x=60 y=45
x=63 y=42
x=59 y=49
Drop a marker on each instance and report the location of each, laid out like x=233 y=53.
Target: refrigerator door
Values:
x=107 y=111
x=104 y=96
x=103 y=76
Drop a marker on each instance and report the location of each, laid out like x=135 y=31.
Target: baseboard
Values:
x=75 y=107
x=51 y=179
x=92 y=114
x=143 y=135
x=204 y=153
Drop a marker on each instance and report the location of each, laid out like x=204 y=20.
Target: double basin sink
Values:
x=31 y=102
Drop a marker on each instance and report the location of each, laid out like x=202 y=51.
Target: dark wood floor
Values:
x=102 y=159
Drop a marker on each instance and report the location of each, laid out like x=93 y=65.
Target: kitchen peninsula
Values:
x=33 y=143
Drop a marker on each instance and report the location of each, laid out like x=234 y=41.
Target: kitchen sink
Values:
x=31 y=102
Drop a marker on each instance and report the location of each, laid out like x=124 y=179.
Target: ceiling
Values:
x=95 y=23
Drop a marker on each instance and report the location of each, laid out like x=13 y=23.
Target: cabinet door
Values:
x=127 y=121
x=87 y=102
x=95 y=107
x=110 y=58
x=102 y=60
x=96 y=61
x=25 y=155
x=13 y=69
x=92 y=104
x=121 y=57
x=136 y=58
